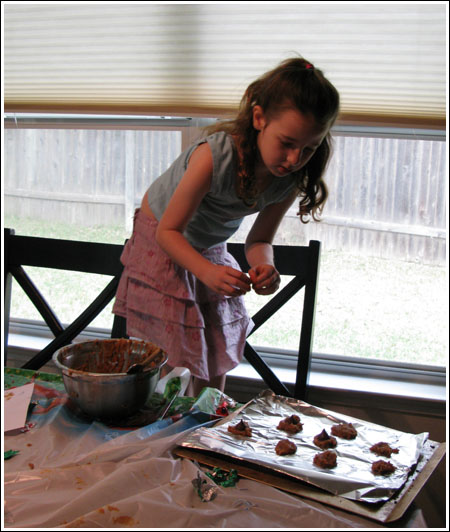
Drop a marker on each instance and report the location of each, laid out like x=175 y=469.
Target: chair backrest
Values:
x=301 y=262
x=89 y=257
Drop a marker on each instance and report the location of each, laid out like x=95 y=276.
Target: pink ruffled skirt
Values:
x=167 y=305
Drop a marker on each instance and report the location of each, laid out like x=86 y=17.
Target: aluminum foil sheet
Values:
x=352 y=478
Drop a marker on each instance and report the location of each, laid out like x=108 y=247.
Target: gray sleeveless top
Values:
x=221 y=212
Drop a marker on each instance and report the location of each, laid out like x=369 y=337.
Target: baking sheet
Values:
x=352 y=478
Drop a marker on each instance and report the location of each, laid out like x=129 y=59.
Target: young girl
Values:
x=180 y=288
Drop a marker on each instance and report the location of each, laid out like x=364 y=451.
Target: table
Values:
x=77 y=473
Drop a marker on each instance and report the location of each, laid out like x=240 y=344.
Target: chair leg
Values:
x=75 y=328
x=37 y=299
x=269 y=377
x=307 y=327
x=119 y=328
x=7 y=307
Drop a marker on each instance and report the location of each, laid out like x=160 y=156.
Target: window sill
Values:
x=320 y=380
x=329 y=374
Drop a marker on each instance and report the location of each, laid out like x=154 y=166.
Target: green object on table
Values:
x=226 y=479
x=171 y=391
x=206 y=492
x=173 y=387
x=9 y=454
x=18 y=377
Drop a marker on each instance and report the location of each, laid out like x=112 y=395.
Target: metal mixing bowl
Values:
x=96 y=379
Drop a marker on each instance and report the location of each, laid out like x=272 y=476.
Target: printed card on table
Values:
x=16 y=403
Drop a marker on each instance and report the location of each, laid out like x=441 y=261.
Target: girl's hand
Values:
x=265 y=279
x=225 y=280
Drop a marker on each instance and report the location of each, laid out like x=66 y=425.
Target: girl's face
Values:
x=287 y=141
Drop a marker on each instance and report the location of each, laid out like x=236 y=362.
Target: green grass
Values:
x=67 y=293
x=366 y=307
x=54 y=229
x=373 y=308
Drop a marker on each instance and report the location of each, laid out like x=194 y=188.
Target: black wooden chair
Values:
x=301 y=262
x=89 y=257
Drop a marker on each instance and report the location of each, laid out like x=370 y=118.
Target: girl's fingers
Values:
x=239 y=280
x=268 y=285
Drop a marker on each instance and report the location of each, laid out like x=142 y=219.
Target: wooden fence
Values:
x=387 y=196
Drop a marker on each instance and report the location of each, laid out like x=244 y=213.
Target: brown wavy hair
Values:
x=295 y=83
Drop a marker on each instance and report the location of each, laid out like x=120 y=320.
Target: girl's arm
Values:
x=258 y=247
x=193 y=186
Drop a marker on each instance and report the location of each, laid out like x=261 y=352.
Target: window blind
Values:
x=388 y=60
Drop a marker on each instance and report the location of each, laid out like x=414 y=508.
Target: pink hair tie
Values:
x=308 y=66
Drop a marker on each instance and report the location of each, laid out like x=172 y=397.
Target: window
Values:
x=382 y=278
x=79 y=184
x=382 y=284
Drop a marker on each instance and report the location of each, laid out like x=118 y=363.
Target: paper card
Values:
x=16 y=403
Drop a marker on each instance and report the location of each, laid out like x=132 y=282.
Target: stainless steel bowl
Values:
x=96 y=379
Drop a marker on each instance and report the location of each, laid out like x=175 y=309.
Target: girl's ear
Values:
x=259 y=120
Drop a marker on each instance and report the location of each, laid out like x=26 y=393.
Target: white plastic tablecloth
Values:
x=85 y=475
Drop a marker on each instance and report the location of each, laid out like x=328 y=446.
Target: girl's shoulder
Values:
x=224 y=160
x=223 y=151
x=219 y=139
x=222 y=144
x=222 y=148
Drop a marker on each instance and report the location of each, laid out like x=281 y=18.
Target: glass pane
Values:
x=382 y=285
x=67 y=293
x=77 y=185
x=81 y=184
